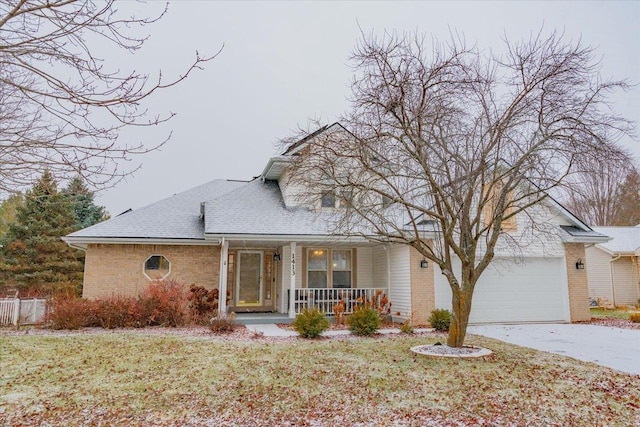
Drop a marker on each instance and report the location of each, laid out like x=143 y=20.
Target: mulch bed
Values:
x=614 y=322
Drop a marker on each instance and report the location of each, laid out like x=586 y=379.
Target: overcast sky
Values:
x=286 y=62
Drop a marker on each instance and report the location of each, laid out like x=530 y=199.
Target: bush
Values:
x=310 y=323
x=223 y=323
x=118 y=312
x=70 y=313
x=440 y=319
x=364 y=321
x=164 y=303
x=202 y=303
x=406 y=327
x=634 y=317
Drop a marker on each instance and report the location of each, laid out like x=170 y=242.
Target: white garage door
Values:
x=534 y=290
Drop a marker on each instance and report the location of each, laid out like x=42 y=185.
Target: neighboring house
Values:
x=612 y=267
x=254 y=241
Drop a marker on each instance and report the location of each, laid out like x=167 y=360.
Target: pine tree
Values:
x=86 y=211
x=35 y=259
x=8 y=210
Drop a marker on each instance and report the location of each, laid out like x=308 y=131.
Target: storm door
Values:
x=249 y=279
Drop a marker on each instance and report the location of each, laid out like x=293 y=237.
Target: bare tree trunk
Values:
x=461 y=308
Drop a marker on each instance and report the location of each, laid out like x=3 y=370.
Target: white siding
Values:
x=364 y=263
x=380 y=268
x=292 y=194
x=598 y=268
x=400 y=286
x=542 y=239
x=625 y=278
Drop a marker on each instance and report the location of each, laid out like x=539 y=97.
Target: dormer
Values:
x=278 y=167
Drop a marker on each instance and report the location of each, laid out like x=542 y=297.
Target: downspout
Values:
x=613 y=288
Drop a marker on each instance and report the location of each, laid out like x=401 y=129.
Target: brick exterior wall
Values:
x=423 y=296
x=118 y=269
x=578 y=283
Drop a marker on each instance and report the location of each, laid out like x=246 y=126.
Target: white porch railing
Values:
x=325 y=299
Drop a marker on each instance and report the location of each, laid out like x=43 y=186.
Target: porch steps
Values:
x=262 y=318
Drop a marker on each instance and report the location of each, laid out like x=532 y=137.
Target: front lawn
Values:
x=617 y=313
x=133 y=378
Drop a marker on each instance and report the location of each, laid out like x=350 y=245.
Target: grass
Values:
x=135 y=379
x=617 y=313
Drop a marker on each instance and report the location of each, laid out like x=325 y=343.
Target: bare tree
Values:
x=594 y=193
x=62 y=107
x=628 y=209
x=451 y=145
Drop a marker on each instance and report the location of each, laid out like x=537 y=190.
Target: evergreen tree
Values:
x=35 y=259
x=86 y=211
x=8 y=210
x=628 y=198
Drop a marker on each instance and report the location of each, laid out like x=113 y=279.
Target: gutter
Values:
x=287 y=238
x=82 y=242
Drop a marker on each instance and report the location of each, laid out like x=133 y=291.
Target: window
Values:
x=341 y=268
x=328 y=200
x=317 y=268
x=322 y=274
x=157 y=267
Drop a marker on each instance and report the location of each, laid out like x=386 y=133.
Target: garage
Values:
x=511 y=291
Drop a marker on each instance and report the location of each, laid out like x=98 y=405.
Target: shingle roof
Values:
x=581 y=233
x=625 y=239
x=176 y=217
x=258 y=209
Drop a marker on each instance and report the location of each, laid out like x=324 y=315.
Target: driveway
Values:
x=611 y=347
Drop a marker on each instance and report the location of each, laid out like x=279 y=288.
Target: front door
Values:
x=249 y=279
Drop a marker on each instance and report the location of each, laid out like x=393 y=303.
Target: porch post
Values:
x=292 y=283
x=222 y=286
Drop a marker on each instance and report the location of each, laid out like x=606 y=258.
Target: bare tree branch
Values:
x=62 y=107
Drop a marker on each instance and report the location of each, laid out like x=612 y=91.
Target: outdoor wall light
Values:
x=276 y=256
x=579 y=264
x=424 y=263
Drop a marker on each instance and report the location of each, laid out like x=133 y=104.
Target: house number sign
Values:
x=293 y=264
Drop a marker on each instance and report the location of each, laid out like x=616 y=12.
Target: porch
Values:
x=262 y=276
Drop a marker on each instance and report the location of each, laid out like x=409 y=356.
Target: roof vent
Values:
x=201 y=210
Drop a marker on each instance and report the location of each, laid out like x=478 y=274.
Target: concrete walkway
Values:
x=273 y=330
x=607 y=346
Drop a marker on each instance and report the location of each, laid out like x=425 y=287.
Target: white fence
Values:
x=325 y=299
x=16 y=311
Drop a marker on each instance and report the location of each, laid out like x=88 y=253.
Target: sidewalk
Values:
x=273 y=330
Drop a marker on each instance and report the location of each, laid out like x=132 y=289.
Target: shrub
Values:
x=634 y=317
x=364 y=321
x=164 y=303
x=223 y=323
x=378 y=302
x=70 y=313
x=406 y=327
x=310 y=323
x=202 y=303
x=440 y=319
x=118 y=312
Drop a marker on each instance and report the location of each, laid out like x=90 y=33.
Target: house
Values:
x=612 y=267
x=256 y=242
